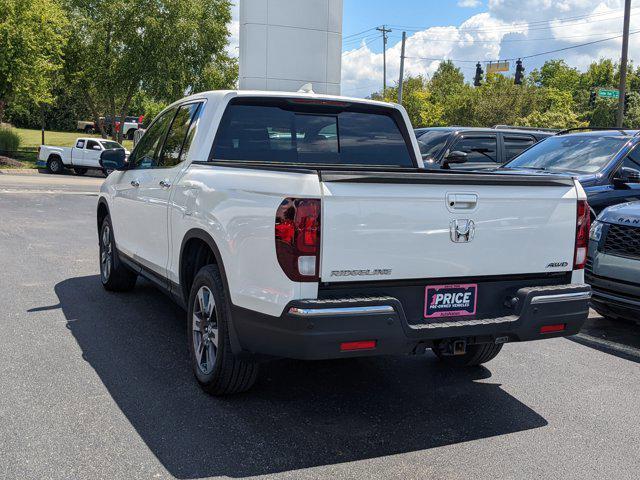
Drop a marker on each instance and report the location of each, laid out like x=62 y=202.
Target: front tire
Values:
x=115 y=276
x=80 y=171
x=475 y=355
x=216 y=368
x=55 y=165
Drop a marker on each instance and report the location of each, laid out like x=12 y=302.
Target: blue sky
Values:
x=362 y=14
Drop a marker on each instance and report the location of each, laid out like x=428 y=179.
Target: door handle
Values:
x=165 y=183
x=462 y=201
x=135 y=183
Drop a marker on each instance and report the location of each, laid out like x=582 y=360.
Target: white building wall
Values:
x=287 y=43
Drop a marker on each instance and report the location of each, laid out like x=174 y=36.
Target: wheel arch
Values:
x=192 y=258
x=102 y=212
x=193 y=240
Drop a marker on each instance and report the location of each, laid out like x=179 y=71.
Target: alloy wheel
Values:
x=106 y=253
x=205 y=330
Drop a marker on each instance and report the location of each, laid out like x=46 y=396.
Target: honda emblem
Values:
x=462 y=231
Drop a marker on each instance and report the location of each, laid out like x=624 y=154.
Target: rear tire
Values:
x=55 y=165
x=217 y=369
x=115 y=276
x=80 y=171
x=130 y=134
x=475 y=355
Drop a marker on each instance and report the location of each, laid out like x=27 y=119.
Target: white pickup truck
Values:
x=85 y=155
x=305 y=226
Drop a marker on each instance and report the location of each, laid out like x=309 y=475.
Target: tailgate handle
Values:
x=462 y=201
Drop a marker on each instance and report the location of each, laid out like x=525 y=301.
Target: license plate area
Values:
x=450 y=301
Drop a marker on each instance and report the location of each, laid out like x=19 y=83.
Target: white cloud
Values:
x=469 y=3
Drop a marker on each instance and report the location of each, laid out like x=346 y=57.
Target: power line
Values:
x=574 y=46
x=436 y=40
x=359 y=33
x=577 y=18
x=350 y=52
x=529 y=56
x=358 y=40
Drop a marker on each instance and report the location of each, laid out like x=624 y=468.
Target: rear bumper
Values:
x=316 y=329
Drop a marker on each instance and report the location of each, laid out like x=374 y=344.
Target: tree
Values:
x=219 y=74
x=417 y=99
x=32 y=37
x=161 y=46
x=557 y=74
x=447 y=81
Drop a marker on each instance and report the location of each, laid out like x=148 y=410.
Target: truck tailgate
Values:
x=432 y=225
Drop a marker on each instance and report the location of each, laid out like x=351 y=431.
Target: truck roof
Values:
x=218 y=95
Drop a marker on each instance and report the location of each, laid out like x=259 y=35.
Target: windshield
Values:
x=431 y=142
x=110 y=145
x=580 y=154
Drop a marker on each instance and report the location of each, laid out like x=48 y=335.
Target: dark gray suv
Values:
x=613 y=264
x=469 y=148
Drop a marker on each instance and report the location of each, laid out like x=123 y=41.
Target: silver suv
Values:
x=613 y=264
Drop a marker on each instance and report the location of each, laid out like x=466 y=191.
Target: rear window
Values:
x=284 y=131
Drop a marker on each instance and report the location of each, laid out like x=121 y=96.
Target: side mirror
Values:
x=113 y=159
x=454 y=157
x=627 y=175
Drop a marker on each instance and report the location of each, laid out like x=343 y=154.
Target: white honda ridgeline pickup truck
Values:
x=305 y=226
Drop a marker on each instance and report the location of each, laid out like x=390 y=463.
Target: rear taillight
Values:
x=583 y=225
x=298 y=238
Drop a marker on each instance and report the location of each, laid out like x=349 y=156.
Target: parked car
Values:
x=305 y=226
x=613 y=265
x=129 y=127
x=85 y=155
x=606 y=162
x=474 y=148
x=86 y=126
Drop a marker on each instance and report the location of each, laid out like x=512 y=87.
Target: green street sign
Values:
x=608 y=93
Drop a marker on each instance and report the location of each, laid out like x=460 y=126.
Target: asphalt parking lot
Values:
x=97 y=385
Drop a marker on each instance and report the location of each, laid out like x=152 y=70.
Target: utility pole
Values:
x=384 y=31
x=42 y=123
x=623 y=63
x=404 y=41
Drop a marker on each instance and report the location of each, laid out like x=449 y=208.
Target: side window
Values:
x=146 y=152
x=93 y=145
x=514 y=145
x=478 y=149
x=633 y=159
x=80 y=144
x=176 y=146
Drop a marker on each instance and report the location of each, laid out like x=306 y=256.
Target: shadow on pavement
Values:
x=299 y=415
x=615 y=337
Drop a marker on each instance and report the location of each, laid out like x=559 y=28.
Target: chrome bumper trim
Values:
x=561 y=297
x=340 y=311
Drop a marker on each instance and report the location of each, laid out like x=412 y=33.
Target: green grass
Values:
x=31 y=139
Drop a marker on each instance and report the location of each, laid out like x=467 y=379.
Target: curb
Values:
x=19 y=171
